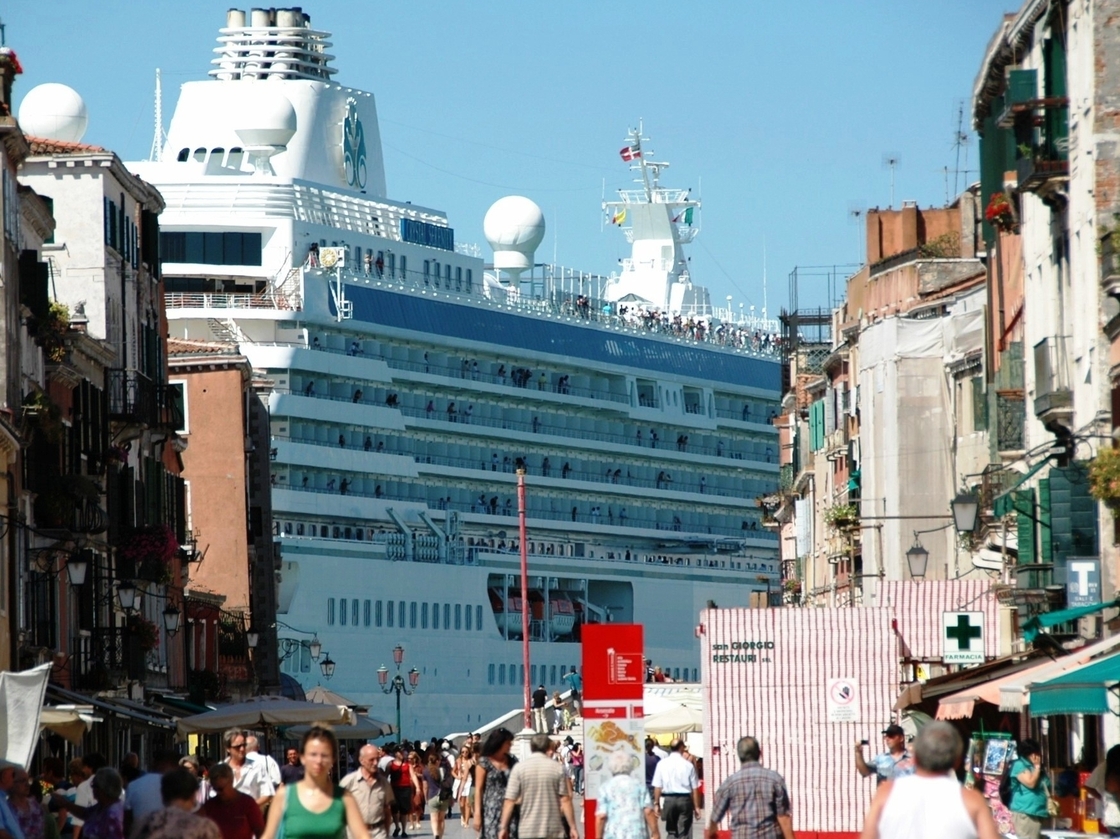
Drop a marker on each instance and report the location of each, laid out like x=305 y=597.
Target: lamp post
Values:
x=326 y=666
x=966 y=509
x=171 y=619
x=917 y=558
x=397 y=685
x=129 y=596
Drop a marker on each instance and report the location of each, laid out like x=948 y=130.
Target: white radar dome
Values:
x=54 y=112
x=514 y=227
x=260 y=114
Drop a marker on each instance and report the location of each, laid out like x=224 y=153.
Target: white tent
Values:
x=679 y=720
x=264 y=711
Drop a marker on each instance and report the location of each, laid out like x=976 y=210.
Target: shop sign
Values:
x=1083 y=581
x=962 y=637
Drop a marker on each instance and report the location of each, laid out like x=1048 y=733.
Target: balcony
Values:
x=135 y=399
x=1053 y=400
x=836 y=444
x=104 y=659
x=1040 y=171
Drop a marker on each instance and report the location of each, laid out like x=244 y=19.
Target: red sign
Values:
x=613 y=687
x=613 y=661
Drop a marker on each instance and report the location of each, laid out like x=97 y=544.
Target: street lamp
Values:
x=316 y=647
x=252 y=638
x=917 y=558
x=76 y=568
x=397 y=685
x=128 y=595
x=327 y=666
x=966 y=509
x=171 y=618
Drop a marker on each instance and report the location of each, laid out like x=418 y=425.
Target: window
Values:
x=435 y=616
x=404 y=265
x=695 y=675
x=427 y=271
x=512 y=673
x=501 y=674
x=354 y=612
x=304 y=659
x=490 y=674
x=389 y=610
x=342 y=611
x=458 y=278
x=435 y=273
x=330 y=611
x=365 y=613
x=412 y=615
x=552 y=680
x=533 y=674
x=447 y=276
x=521 y=681
x=458 y=616
x=377 y=613
x=446 y=615
x=478 y=617
x=183 y=155
x=400 y=614
x=470 y=619
x=393 y=265
x=423 y=615
x=676 y=674
x=177 y=393
x=469 y=280
x=211 y=247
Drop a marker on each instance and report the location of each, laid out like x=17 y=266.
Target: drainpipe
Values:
x=409 y=547
x=424 y=517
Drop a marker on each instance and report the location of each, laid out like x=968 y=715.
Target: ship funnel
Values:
x=514 y=227
x=235 y=18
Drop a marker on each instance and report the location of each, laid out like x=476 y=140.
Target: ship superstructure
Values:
x=409 y=384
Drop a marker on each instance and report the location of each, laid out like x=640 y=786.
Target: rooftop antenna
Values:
x=764 y=278
x=891 y=160
x=960 y=140
x=158 y=137
x=3 y=38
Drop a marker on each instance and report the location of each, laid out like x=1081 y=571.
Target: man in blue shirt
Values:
x=9 y=826
x=575 y=682
x=893 y=763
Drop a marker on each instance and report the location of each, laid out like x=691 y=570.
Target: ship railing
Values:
x=542 y=427
x=502 y=514
x=696 y=562
x=215 y=300
x=566 y=306
x=668 y=483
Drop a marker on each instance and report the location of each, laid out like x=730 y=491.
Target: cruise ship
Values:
x=411 y=380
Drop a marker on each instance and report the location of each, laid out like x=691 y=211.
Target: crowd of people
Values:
x=701 y=329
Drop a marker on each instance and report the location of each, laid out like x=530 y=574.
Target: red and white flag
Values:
x=630 y=152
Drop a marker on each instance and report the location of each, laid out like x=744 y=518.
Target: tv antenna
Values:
x=158 y=137
x=857 y=212
x=891 y=160
x=960 y=141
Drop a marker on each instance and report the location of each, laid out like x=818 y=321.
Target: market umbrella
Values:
x=329 y=697
x=679 y=720
x=70 y=723
x=264 y=712
x=363 y=728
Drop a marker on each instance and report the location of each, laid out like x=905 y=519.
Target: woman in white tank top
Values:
x=930 y=804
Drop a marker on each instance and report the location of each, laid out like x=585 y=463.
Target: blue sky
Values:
x=779 y=113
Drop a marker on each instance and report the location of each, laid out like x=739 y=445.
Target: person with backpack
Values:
x=1029 y=788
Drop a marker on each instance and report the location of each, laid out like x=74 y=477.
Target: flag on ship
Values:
x=630 y=152
x=684 y=218
x=619 y=217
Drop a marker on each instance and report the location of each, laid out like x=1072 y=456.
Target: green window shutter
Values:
x=979 y=405
x=1045 y=542
x=1074 y=514
x=1023 y=502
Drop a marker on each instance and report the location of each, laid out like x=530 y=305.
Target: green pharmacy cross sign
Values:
x=962 y=637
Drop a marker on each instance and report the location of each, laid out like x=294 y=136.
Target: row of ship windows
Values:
x=496 y=674
x=347 y=611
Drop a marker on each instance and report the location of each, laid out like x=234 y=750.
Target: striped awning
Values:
x=1080 y=691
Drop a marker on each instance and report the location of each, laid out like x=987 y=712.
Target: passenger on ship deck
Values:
x=451 y=411
x=309 y=390
x=342 y=441
x=546 y=465
x=430 y=408
x=368 y=444
x=357 y=396
x=565 y=470
x=344 y=487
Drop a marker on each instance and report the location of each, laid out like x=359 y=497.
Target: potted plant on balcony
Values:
x=842 y=516
x=1000 y=213
x=151 y=550
x=144 y=632
x=50 y=332
x=1104 y=478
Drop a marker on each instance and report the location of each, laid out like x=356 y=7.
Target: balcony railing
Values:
x=1053 y=395
x=136 y=399
x=104 y=659
x=1010 y=414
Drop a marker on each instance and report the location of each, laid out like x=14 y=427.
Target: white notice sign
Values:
x=962 y=637
x=842 y=700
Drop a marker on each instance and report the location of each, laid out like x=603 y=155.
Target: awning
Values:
x=1001 y=504
x=1033 y=627
x=110 y=706
x=1008 y=692
x=1080 y=691
x=69 y=721
x=938 y=686
x=182 y=706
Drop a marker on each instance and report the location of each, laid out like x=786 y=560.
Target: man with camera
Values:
x=893 y=763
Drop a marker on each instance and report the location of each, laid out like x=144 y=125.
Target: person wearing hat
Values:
x=893 y=763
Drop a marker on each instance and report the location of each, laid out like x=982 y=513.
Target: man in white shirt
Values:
x=252 y=753
x=248 y=777
x=675 y=782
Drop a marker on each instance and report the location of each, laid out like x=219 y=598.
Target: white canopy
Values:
x=363 y=728
x=262 y=711
x=679 y=720
x=21 y=703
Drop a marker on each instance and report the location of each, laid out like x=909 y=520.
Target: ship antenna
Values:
x=764 y=278
x=158 y=136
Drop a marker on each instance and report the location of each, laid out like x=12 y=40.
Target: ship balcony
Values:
x=1053 y=400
